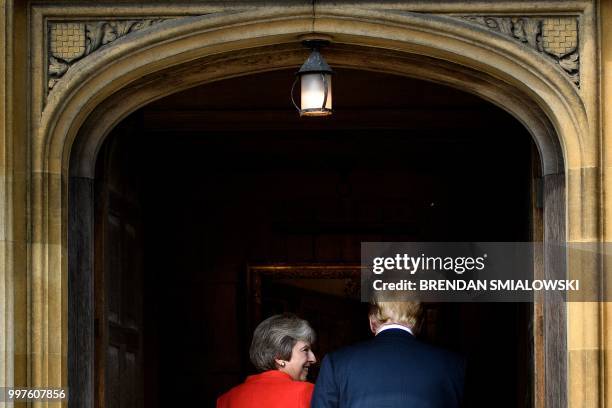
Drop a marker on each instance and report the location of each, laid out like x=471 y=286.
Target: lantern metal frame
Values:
x=315 y=63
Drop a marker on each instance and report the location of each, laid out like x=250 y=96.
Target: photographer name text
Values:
x=477 y=285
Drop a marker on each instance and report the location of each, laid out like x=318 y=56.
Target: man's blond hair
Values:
x=404 y=313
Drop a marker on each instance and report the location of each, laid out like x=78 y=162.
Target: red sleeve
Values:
x=305 y=395
x=222 y=401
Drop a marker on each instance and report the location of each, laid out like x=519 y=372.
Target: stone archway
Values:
x=101 y=89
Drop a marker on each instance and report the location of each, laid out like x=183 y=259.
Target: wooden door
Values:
x=118 y=276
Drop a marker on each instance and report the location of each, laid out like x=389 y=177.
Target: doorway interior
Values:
x=194 y=188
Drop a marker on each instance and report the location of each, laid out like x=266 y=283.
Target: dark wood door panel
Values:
x=119 y=282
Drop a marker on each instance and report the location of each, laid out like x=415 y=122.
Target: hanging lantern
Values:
x=315 y=77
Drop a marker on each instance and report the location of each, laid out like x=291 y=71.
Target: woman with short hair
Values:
x=281 y=350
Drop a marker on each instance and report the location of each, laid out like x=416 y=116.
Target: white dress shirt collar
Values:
x=393 y=326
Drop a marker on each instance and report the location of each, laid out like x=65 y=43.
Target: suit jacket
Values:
x=270 y=389
x=391 y=370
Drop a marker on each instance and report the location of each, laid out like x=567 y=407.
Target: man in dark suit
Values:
x=393 y=369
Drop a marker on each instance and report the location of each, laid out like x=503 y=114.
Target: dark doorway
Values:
x=226 y=175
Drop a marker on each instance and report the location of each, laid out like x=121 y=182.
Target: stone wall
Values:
x=59 y=99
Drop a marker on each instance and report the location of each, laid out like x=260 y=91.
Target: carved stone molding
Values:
x=555 y=37
x=71 y=41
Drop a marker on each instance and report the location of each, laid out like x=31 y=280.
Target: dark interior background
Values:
x=227 y=175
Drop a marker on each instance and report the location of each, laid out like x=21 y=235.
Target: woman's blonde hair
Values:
x=404 y=313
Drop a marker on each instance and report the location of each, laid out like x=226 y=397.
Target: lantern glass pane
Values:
x=313 y=91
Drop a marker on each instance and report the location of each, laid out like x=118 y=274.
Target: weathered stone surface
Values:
x=555 y=36
x=558 y=47
x=71 y=41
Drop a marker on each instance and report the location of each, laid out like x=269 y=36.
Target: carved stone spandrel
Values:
x=556 y=37
x=72 y=41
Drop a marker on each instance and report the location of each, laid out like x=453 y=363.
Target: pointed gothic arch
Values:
x=100 y=90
